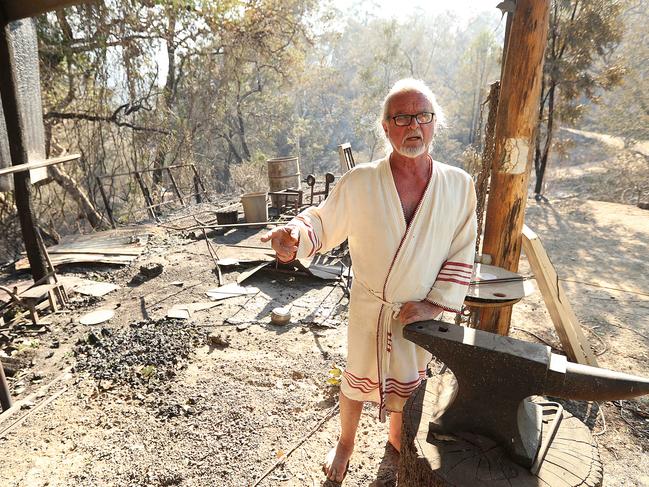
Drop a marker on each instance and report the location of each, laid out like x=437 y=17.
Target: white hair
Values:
x=410 y=85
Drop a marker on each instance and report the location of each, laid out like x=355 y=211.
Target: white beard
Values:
x=412 y=151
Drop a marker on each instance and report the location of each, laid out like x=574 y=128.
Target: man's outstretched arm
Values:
x=285 y=241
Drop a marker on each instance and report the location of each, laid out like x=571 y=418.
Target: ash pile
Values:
x=145 y=353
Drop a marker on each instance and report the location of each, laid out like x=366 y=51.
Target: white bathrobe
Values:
x=393 y=262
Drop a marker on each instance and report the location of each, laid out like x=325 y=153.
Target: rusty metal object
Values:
x=154 y=209
x=557 y=410
x=495 y=374
x=329 y=179
x=311 y=181
x=5 y=395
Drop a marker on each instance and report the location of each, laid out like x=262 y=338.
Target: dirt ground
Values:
x=227 y=410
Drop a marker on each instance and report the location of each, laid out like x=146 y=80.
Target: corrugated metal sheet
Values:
x=23 y=43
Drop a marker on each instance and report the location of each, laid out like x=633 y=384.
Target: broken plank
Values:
x=37 y=291
x=86 y=286
x=184 y=311
x=61 y=259
x=246 y=274
x=37 y=164
x=231 y=290
x=565 y=322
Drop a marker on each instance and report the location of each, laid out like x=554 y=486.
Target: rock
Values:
x=151 y=270
x=92 y=339
x=218 y=340
x=297 y=375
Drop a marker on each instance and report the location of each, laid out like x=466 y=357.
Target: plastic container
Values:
x=255 y=208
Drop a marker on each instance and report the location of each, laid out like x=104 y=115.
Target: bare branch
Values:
x=98 y=118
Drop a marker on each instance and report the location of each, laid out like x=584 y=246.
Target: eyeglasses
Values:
x=405 y=120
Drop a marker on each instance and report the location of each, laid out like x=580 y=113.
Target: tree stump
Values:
x=465 y=459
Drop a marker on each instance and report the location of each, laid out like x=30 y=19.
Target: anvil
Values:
x=496 y=373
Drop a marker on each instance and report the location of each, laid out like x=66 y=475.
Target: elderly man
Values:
x=411 y=226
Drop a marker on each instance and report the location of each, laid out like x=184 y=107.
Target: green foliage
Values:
x=579 y=66
x=625 y=110
x=583 y=36
x=214 y=83
x=134 y=84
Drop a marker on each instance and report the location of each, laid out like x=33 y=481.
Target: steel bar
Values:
x=175 y=186
x=197 y=190
x=547 y=437
x=5 y=397
x=214 y=256
x=109 y=211
x=147 y=195
x=242 y=225
x=197 y=177
x=500 y=281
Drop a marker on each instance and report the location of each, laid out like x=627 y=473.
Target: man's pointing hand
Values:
x=284 y=241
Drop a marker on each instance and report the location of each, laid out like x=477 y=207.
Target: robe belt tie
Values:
x=383 y=341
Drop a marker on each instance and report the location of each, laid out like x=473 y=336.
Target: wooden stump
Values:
x=465 y=459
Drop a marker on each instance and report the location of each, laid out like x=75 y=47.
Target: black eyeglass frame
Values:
x=415 y=116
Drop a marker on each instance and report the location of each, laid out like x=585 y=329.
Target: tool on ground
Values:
x=280 y=316
x=496 y=374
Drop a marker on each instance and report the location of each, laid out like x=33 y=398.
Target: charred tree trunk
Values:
x=242 y=134
x=72 y=188
x=542 y=156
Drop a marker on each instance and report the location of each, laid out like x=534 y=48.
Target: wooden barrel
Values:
x=460 y=459
x=283 y=173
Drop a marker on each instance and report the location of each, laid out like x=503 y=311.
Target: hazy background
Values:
x=226 y=85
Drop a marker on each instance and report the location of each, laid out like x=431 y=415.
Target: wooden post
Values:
x=515 y=126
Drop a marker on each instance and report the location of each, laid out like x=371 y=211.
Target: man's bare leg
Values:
x=394 y=437
x=350 y=415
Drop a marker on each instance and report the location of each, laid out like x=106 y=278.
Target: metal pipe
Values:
x=5 y=397
x=109 y=211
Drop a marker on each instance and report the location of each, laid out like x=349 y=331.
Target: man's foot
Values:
x=395 y=442
x=394 y=435
x=337 y=462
